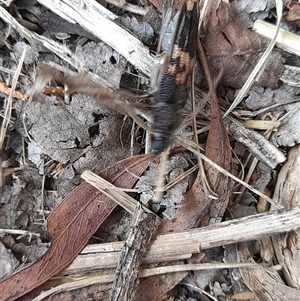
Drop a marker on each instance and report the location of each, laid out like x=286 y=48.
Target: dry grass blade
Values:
x=180 y=177
x=8 y=101
x=285 y=39
x=90 y=280
x=114 y=193
x=193 y=148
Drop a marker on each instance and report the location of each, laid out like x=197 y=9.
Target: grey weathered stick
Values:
x=182 y=245
x=139 y=235
x=259 y=146
x=96 y=19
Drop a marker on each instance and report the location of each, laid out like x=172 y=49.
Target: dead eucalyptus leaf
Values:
x=71 y=225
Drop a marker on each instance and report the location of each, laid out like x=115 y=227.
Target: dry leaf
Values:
x=71 y=225
x=293 y=14
x=228 y=42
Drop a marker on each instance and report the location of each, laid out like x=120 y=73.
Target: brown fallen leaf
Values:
x=70 y=226
x=218 y=150
x=266 y=286
x=228 y=42
x=293 y=14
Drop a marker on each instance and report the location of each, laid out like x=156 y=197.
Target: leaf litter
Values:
x=53 y=140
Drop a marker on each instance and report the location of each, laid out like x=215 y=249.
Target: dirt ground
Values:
x=50 y=135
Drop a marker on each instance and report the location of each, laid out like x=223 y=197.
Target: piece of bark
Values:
x=287 y=194
x=182 y=244
x=257 y=144
x=266 y=287
x=139 y=235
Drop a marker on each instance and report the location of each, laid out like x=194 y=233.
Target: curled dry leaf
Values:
x=71 y=225
x=228 y=42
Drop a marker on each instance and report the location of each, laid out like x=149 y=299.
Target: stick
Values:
x=181 y=245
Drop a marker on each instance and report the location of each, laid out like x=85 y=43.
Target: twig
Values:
x=257 y=144
x=8 y=101
x=182 y=245
x=91 y=280
x=113 y=192
x=92 y=16
x=139 y=235
x=138 y=10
